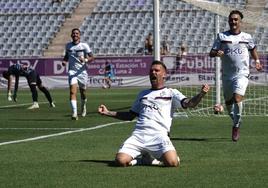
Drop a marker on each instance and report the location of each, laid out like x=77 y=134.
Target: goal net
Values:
x=194 y=26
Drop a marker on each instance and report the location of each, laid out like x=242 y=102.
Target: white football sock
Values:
x=74 y=106
x=238 y=107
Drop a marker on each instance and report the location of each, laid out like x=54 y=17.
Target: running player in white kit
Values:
x=154 y=108
x=77 y=54
x=233 y=47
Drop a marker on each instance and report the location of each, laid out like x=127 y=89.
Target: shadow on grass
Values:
x=113 y=164
x=107 y=162
x=201 y=139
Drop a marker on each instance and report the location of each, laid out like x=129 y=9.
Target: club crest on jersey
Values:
x=163 y=93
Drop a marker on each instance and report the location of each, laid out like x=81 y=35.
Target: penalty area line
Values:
x=62 y=133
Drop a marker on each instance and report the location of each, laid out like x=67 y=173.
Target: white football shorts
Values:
x=237 y=85
x=80 y=79
x=156 y=145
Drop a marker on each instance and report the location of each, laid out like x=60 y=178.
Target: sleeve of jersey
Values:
x=65 y=58
x=87 y=49
x=217 y=43
x=251 y=43
x=136 y=105
x=177 y=98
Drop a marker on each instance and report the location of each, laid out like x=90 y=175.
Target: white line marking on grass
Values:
x=17 y=105
x=34 y=128
x=62 y=133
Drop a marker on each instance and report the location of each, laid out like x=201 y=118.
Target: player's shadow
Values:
x=200 y=139
x=107 y=162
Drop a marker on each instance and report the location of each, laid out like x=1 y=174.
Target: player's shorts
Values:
x=108 y=75
x=80 y=79
x=33 y=78
x=156 y=145
x=237 y=85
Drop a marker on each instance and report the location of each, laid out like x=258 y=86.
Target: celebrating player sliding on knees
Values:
x=154 y=108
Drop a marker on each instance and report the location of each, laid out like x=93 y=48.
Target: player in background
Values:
x=108 y=75
x=148 y=44
x=77 y=54
x=233 y=47
x=33 y=79
x=154 y=108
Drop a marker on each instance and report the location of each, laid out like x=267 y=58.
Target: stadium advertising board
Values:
x=130 y=71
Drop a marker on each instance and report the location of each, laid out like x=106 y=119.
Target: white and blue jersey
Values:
x=235 y=61
x=77 y=70
x=155 y=110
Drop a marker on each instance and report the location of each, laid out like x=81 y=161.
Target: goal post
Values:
x=217 y=66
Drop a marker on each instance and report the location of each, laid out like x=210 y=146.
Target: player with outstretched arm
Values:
x=154 y=108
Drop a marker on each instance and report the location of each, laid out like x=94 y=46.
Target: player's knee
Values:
x=237 y=98
x=229 y=102
x=72 y=93
x=170 y=159
x=121 y=163
x=40 y=86
x=172 y=163
x=122 y=160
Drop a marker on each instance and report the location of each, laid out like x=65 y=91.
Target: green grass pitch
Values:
x=75 y=155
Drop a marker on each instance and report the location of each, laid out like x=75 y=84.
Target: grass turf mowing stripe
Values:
x=62 y=133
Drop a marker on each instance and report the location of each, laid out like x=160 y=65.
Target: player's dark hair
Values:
x=76 y=29
x=236 y=12
x=6 y=74
x=156 y=62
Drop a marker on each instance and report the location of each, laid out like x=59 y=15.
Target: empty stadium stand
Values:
x=111 y=27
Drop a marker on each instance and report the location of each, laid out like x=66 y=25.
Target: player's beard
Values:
x=235 y=28
x=156 y=82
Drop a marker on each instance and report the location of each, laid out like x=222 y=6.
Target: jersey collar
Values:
x=158 y=88
x=234 y=33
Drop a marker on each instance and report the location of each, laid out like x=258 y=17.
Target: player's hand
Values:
x=205 y=88
x=258 y=66
x=102 y=109
x=82 y=59
x=220 y=53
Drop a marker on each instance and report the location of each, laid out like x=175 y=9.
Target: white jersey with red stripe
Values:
x=235 y=61
x=73 y=52
x=155 y=110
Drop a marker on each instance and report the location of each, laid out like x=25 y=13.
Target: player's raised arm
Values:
x=126 y=116
x=194 y=101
